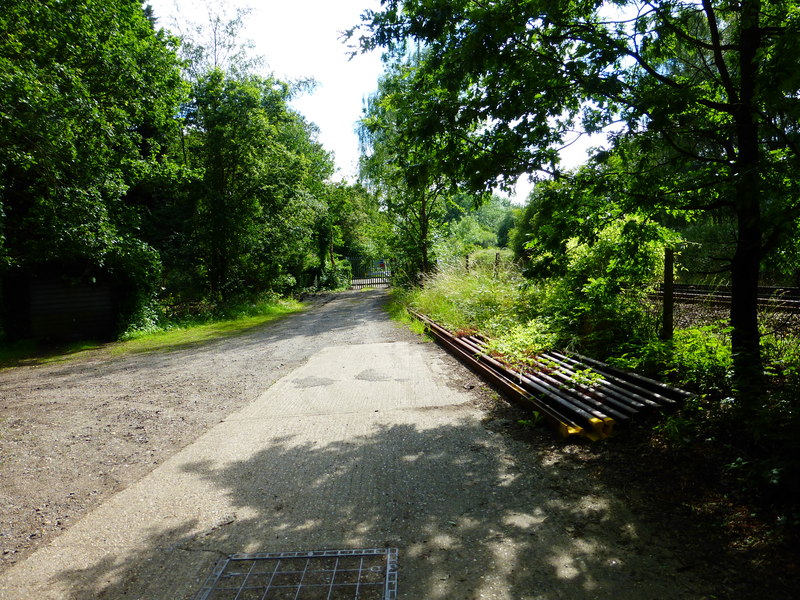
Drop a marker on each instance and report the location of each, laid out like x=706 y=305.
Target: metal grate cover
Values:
x=365 y=574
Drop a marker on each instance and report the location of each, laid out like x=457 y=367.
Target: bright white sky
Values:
x=300 y=39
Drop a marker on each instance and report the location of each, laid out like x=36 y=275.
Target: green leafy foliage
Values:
x=519 y=343
x=351 y=225
x=337 y=277
x=469 y=227
x=89 y=90
x=707 y=93
x=182 y=181
x=211 y=318
x=697 y=358
x=598 y=298
x=260 y=163
x=405 y=173
x=536 y=421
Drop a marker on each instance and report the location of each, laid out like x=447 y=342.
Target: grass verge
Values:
x=171 y=336
x=397 y=307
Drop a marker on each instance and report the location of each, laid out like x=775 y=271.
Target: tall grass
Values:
x=478 y=298
x=486 y=296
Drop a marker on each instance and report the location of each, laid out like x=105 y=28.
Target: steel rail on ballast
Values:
x=782 y=299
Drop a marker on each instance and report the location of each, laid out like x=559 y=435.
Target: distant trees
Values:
x=412 y=179
x=351 y=224
x=251 y=175
x=468 y=227
x=172 y=168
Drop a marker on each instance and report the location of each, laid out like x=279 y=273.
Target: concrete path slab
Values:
x=363 y=445
x=143 y=542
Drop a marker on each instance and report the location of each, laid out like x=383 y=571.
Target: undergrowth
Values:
x=213 y=323
x=160 y=318
x=162 y=328
x=757 y=462
x=476 y=298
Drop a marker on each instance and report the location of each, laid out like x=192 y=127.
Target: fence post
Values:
x=496 y=264
x=466 y=262
x=668 y=298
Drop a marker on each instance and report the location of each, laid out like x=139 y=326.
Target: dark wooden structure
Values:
x=50 y=304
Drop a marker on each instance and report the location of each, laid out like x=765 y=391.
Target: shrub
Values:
x=697 y=357
x=599 y=302
x=338 y=277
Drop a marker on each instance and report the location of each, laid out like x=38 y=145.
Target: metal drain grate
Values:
x=366 y=574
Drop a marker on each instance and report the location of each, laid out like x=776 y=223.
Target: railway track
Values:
x=783 y=299
x=576 y=395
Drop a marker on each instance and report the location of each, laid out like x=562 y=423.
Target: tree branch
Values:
x=719 y=60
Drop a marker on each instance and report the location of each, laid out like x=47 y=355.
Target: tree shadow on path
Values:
x=474 y=514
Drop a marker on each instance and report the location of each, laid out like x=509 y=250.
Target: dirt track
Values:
x=72 y=435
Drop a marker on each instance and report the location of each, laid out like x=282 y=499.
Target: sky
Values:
x=300 y=39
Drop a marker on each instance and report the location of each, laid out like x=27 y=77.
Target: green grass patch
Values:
x=171 y=336
x=179 y=336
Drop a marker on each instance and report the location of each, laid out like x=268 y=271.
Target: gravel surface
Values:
x=483 y=508
x=72 y=434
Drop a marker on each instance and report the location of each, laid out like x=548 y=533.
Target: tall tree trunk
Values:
x=747 y=366
x=745 y=268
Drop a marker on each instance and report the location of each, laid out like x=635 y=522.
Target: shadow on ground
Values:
x=475 y=514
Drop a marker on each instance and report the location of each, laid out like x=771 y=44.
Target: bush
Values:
x=599 y=302
x=698 y=358
x=338 y=277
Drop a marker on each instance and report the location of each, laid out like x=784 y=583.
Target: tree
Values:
x=351 y=225
x=716 y=83
x=255 y=172
x=88 y=91
x=216 y=43
x=404 y=171
x=260 y=164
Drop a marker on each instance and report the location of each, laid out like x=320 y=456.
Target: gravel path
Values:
x=72 y=434
x=330 y=429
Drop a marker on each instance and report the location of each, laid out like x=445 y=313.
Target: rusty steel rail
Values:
x=781 y=299
x=576 y=395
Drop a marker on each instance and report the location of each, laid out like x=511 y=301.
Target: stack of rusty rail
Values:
x=577 y=395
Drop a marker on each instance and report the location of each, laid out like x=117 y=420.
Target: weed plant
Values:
x=164 y=319
x=475 y=299
x=698 y=358
x=609 y=318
